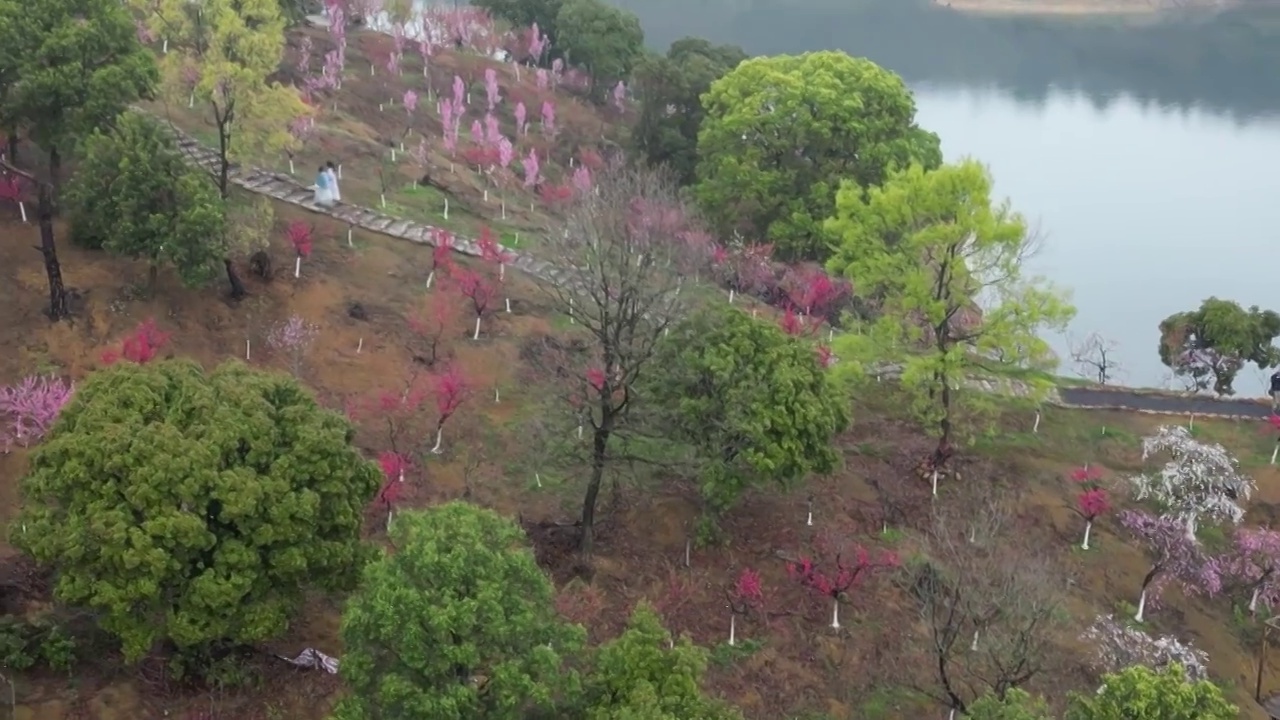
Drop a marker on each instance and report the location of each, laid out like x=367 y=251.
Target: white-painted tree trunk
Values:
x=191 y=101
x=537 y=479
x=730 y=296
x=935 y=483
x=297 y=267
x=835 y=614
x=165 y=47
x=508 y=301
x=339 y=171
x=439 y=438
x=291 y=170
x=1253 y=602
x=22 y=208
x=579 y=432
x=502 y=272
x=349 y=241
x=431 y=276
x=446 y=208
x=1142 y=606
x=1088 y=526
x=733 y=627
x=973 y=647
x=359 y=346
x=393 y=154
x=486 y=195
x=246 y=349
x=688 y=552
x=390 y=512
x=497 y=395
x=503 y=205
x=1036 y=428
x=1274 y=451
x=476 y=334
x=1191 y=528
x=382 y=199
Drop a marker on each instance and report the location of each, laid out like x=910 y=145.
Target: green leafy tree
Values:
x=947 y=267
x=644 y=674
x=80 y=65
x=1211 y=344
x=1015 y=705
x=756 y=404
x=195 y=507
x=671 y=87
x=10 y=68
x=604 y=39
x=781 y=133
x=457 y=622
x=1141 y=693
x=135 y=195
x=229 y=48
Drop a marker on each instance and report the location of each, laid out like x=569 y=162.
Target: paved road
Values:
x=1160 y=403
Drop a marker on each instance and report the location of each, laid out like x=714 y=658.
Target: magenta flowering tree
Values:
x=536 y=42
x=491 y=90
x=1253 y=565
x=549 y=119
x=1092 y=501
x=506 y=156
x=293 y=338
x=522 y=119
x=426 y=49
x=582 y=179
x=746 y=596
x=542 y=79
x=531 y=170
x=1173 y=556
x=459 y=95
x=29 y=408
x=410 y=100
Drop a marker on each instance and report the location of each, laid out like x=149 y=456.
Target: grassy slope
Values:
x=795 y=664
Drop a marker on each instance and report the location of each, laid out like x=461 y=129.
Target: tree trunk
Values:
x=55 y=172
x=237 y=287
x=13 y=148
x=57 y=293
x=153 y=273
x=600 y=441
x=944 y=426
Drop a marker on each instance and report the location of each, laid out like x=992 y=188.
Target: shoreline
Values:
x=1076 y=8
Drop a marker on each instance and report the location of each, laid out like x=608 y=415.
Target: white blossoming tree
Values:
x=1118 y=646
x=1199 y=481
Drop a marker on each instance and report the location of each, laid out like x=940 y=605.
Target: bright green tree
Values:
x=643 y=674
x=80 y=64
x=194 y=507
x=671 y=87
x=781 y=133
x=10 y=69
x=1141 y=693
x=222 y=53
x=947 y=268
x=1210 y=345
x=1015 y=705
x=457 y=622
x=134 y=195
x=604 y=39
x=755 y=403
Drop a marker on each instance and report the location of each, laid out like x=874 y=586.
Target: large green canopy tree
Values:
x=456 y=623
x=948 y=268
x=1209 y=345
x=135 y=195
x=756 y=404
x=782 y=132
x=80 y=64
x=1140 y=693
x=604 y=39
x=195 y=507
x=671 y=87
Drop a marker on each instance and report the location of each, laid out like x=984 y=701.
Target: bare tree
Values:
x=991 y=608
x=627 y=242
x=1094 y=357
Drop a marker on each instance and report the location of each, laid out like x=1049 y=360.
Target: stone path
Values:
x=288 y=189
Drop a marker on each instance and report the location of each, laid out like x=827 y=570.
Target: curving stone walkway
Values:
x=288 y=189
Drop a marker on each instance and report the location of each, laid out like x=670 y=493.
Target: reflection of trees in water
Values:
x=1226 y=63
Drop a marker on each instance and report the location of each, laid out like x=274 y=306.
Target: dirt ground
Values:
x=791 y=662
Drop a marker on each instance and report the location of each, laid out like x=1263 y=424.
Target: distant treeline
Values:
x=1227 y=62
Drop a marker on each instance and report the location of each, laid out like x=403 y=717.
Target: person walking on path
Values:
x=1275 y=393
x=323 y=189
x=334 y=193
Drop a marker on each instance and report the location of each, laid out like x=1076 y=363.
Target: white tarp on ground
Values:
x=313 y=658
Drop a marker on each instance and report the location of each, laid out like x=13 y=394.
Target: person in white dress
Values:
x=334 y=193
x=323 y=188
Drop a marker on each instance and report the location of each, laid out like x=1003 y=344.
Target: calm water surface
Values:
x=1145 y=210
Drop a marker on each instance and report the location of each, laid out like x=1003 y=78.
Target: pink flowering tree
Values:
x=293 y=337
x=1253 y=565
x=1092 y=500
x=395 y=409
x=450 y=389
x=1199 y=481
x=522 y=119
x=620 y=97
x=394 y=467
x=541 y=77
x=1173 y=557
x=480 y=292
x=142 y=345
x=506 y=156
x=410 y=100
x=745 y=597
x=13 y=189
x=29 y=408
x=426 y=49
x=531 y=170
x=549 y=119
x=442 y=243
x=582 y=179
x=492 y=251
x=840 y=575
x=299 y=235
x=813 y=293
x=492 y=92
x=459 y=95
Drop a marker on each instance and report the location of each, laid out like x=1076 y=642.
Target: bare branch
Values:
x=1094 y=358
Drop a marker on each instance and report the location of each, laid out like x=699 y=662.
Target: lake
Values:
x=1142 y=153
